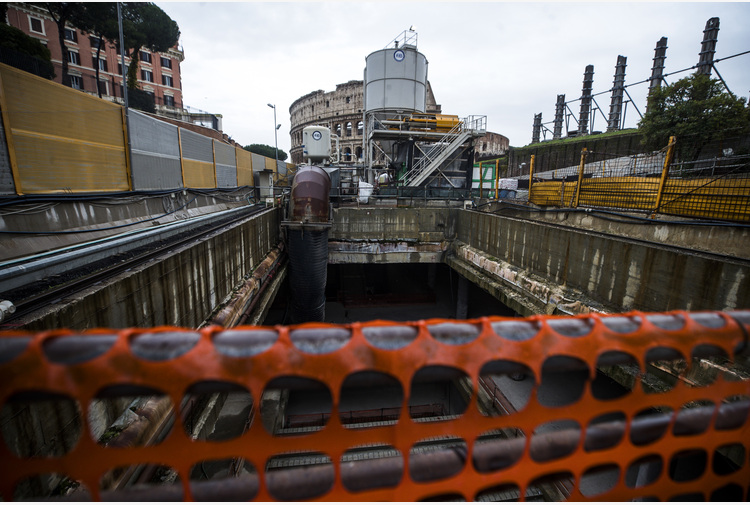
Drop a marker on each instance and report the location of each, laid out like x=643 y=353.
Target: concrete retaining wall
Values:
x=181 y=290
x=566 y=264
x=621 y=274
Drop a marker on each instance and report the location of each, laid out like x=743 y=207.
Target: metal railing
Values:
x=468 y=126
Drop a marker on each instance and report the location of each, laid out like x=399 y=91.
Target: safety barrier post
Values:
x=531 y=174
x=126 y=139
x=584 y=152
x=497 y=177
x=481 y=180
x=5 y=118
x=664 y=173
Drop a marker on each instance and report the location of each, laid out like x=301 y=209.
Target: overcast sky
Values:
x=507 y=61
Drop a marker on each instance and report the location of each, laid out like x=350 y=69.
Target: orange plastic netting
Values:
x=330 y=354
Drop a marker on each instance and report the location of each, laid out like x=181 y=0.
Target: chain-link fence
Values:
x=713 y=188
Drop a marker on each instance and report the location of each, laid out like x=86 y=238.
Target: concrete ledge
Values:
x=620 y=273
x=375 y=251
x=523 y=292
x=100 y=216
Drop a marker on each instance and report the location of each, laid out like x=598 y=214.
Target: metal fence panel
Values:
x=7 y=187
x=155 y=152
x=197 y=160
x=196 y=146
x=259 y=163
x=244 y=167
x=198 y=174
x=713 y=188
x=226 y=165
x=61 y=140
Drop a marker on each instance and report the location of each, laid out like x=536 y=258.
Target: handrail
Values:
x=469 y=125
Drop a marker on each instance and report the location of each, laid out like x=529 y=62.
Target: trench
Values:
x=396 y=292
x=365 y=291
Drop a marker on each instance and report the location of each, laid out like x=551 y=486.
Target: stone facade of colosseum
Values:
x=342 y=111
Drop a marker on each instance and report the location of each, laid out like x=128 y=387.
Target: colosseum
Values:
x=342 y=112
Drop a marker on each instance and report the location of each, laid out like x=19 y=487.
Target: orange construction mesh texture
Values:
x=330 y=354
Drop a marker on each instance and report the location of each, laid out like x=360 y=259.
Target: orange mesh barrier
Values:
x=534 y=448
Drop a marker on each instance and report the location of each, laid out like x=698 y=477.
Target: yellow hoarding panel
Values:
x=719 y=198
x=553 y=193
x=270 y=164
x=198 y=174
x=62 y=140
x=244 y=168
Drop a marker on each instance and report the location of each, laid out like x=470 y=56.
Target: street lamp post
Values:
x=275 y=135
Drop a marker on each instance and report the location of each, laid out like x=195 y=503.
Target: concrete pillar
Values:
x=462 y=300
x=559 y=114
x=657 y=70
x=708 y=46
x=583 y=116
x=618 y=87
x=535 y=135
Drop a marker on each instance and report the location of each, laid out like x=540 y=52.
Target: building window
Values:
x=94 y=41
x=169 y=100
x=328 y=103
x=167 y=80
x=348 y=99
x=100 y=62
x=145 y=57
x=36 y=25
x=349 y=129
x=147 y=75
x=338 y=129
x=359 y=153
x=103 y=88
x=74 y=57
x=71 y=35
x=76 y=82
x=166 y=62
x=360 y=129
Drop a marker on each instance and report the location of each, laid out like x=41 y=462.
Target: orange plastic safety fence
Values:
x=400 y=351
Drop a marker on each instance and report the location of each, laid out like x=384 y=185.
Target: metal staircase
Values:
x=471 y=126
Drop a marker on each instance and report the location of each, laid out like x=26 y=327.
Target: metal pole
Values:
x=664 y=173
x=584 y=151
x=531 y=174
x=275 y=137
x=497 y=177
x=122 y=56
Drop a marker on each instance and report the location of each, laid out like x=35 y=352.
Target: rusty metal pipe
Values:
x=229 y=315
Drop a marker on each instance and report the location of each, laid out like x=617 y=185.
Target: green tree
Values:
x=61 y=13
x=266 y=150
x=148 y=27
x=696 y=109
x=27 y=53
x=98 y=19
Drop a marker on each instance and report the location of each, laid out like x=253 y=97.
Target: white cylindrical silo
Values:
x=396 y=79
